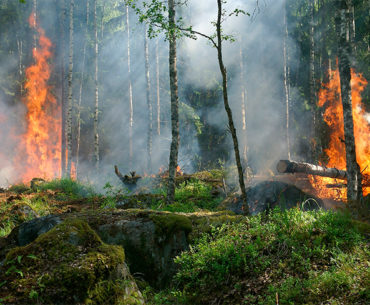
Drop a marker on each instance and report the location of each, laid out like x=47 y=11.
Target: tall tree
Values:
x=96 y=112
x=158 y=88
x=63 y=87
x=354 y=187
x=148 y=101
x=78 y=137
x=70 y=91
x=217 y=43
x=131 y=108
x=243 y=102
x=312 y=75
x=175 y=129
x=286 y=81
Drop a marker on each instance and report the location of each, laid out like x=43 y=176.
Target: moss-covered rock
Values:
x=151 y=239
x=68 y=265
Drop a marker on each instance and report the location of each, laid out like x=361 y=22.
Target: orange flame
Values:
x=41 y=143
x=330 y=96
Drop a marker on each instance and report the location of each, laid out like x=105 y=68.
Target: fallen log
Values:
x=287 y=166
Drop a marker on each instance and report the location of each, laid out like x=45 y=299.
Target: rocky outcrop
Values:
x=69 y=264
x=151 y=239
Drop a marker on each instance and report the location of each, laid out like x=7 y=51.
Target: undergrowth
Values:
x=68 y=188
x=190 y=196
x=294 y=257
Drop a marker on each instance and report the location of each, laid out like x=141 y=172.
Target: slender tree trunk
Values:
x=158 y=92
x=243 y=98
x=286 y=85
x=63 y=93
x=312 y=78
x=20 y=63
x=96 y=114
x=78 y=140
x=354 y=187
x=131 y=108
x=149 y=103
x=174 y=150
x=34 y=12
x=227 y=107
x=70 y=92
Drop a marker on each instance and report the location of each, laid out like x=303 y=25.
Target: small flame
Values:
x=40 y=147
x=330 y=96
x=179 y=171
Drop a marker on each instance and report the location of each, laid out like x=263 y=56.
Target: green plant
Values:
x=68 y=187
x=303 y=257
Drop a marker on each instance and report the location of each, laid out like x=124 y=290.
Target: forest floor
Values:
x=276 y=257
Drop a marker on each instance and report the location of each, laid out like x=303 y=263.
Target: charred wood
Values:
x=128 y=180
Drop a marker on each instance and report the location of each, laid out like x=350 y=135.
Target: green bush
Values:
x=298 y=257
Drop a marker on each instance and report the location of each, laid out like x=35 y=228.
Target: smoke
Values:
x=260 y=37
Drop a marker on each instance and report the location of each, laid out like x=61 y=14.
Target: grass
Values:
x=68 y=188
x=297 y=257
x=190 y=197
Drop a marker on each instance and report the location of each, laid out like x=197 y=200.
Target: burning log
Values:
x=126 y=179
x=287 y=166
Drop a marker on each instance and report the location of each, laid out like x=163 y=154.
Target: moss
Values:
x=203 y=222
x=67 y=265
x=168 y=223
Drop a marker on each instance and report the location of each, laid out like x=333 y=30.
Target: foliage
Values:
x=19 y=188
x=69 y=187
x=303 y=257
x=190 y=196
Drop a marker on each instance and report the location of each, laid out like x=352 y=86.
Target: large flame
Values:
x=330 y=97
x=40 y=147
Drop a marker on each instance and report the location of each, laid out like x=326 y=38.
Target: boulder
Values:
x=68 y=265
x=267 y=195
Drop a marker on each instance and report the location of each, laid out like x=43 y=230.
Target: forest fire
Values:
x=329 y=97
x=40 y=145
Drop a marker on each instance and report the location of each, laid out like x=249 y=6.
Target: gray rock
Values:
x=29 y=231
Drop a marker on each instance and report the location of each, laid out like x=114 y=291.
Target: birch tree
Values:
x=243 y=102
x=154 y=14
x=286 y=82
x=131 y=109
x=70 y=93
x=78 y=137
x=96 y=112
x=148 y=101
x=158 y=88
